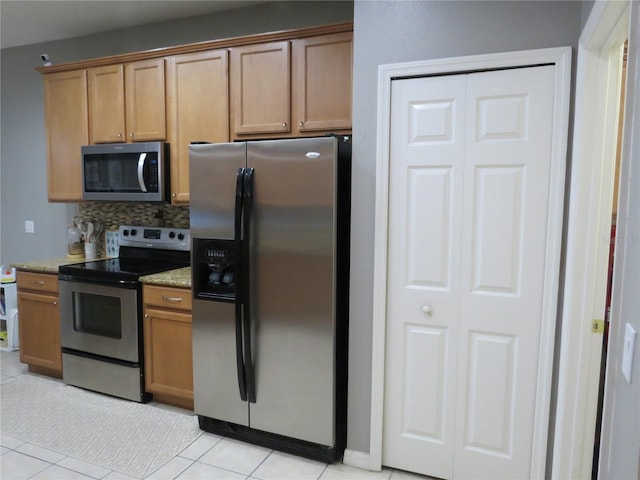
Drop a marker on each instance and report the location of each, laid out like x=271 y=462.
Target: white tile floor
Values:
x=209 y=457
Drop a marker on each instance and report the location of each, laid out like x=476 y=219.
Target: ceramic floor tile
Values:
x=171 y=469
x=86 y=468
x=339 y=471
x=203 y=471
x=56 y=472
x=119 y=476
x=40 y=452
x=400 y=475
x=200 y=446
x=281 y=466
x=10 y=442
x=235 y=456
x=17 y=466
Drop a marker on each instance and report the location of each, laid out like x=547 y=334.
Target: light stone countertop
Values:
x=47 y=266
x=180 y=277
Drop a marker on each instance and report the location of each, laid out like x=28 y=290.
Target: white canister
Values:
x=90 y=250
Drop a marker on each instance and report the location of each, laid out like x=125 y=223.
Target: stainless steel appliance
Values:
x=125 y=172
x=101 y=310
x=270 y=266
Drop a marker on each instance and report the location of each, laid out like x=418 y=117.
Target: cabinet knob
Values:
x=173 y=194
x=284 y=124
x=427 y=309
x=119 y=135
x=146 y=315
x=55 y=303
x=131 y=134
x=301 y=124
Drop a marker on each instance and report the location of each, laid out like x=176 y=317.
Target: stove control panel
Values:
x=154 y=237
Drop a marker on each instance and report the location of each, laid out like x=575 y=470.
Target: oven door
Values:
x=99 y=319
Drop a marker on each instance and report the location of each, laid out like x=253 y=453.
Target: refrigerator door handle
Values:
x=246 y=296
x=239 y=282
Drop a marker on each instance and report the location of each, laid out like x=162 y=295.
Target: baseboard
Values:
x=353 y=458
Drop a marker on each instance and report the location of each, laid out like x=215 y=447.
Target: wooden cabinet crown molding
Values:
x=201 y=46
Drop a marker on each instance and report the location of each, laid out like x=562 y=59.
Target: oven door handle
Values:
x=103 y=281
x=242 y=384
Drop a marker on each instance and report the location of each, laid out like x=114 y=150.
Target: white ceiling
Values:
x=23 y=22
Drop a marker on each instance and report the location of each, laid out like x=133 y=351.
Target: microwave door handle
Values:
x=141 y=160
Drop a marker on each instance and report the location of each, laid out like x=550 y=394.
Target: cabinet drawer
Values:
x=39 y=282
x=167 y=297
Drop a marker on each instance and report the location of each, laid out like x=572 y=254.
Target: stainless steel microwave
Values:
x=125 y=172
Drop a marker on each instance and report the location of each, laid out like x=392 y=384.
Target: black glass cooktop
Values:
x=130 y=266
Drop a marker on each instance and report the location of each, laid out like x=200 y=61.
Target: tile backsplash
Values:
x=113 y=214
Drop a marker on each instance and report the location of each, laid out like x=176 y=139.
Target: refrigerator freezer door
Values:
x=212 y=178
x=293 y=287
x=215 y=378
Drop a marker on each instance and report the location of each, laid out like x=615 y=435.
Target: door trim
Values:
x=588 y=233
x=561 y=59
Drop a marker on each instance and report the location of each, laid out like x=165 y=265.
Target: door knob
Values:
x=427 y=309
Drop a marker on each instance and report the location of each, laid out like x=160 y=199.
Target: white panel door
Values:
x=469 y=187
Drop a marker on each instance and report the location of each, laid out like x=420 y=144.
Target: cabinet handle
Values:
x=36 y=282
x=172 y=299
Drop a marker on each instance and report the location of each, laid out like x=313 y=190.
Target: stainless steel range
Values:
x=101 y=310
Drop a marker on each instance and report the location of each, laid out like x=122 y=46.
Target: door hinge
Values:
x=597 y=326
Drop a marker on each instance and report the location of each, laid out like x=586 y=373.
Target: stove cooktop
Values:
x=143 y=251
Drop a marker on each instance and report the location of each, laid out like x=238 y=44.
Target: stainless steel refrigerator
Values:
x=270 y=267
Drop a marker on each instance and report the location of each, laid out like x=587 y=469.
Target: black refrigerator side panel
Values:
x=343 y=259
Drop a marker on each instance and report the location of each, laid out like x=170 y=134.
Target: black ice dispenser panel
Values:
x=214 y=269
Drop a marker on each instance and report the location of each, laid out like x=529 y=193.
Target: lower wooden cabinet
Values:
x=39 y=323
x=167 y=344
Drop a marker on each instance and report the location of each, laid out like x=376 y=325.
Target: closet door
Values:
x=469 y=188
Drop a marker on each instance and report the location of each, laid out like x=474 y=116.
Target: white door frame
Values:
x=589 y=224
x=561 y=58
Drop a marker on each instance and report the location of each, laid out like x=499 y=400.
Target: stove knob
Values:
x=172 y=234
x=125 y=233
x=134 y=232
x=181 y=236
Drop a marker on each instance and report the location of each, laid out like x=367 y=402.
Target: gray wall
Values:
x=392 y=32
x=23 y=181
x=620 y=454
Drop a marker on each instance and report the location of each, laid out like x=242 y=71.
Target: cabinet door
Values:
x=106 y=104
x=39 y=331
x=168 y=353
x=66 y=120
x=145 y=100
x=322 y=82
x=198 y=110
x=260 y=88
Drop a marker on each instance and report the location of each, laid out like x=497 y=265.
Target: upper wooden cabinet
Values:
x=127 y=102
x=322 y=78
x=297 y=88
x=260 y=88
x=67 y=129
x=197 y=110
